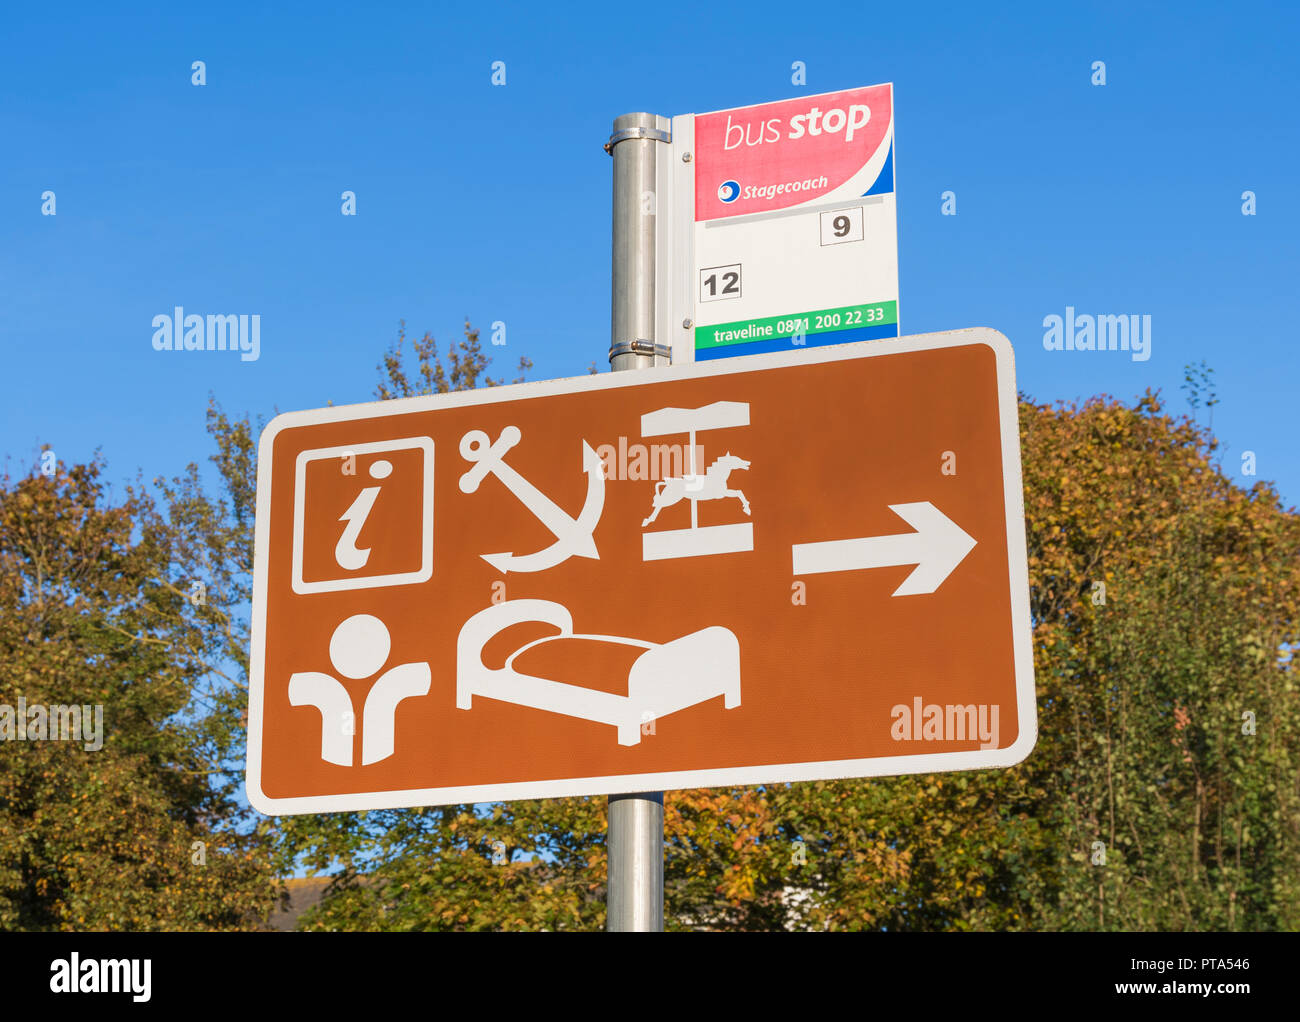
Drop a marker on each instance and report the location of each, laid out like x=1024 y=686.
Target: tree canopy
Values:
x=1163 y=794
x=134 y=827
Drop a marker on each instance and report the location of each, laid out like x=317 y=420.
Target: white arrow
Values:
x=936 y=547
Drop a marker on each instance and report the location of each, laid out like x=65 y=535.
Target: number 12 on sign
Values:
x=718 y=283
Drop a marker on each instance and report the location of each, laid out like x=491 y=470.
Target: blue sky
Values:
x=493 y=202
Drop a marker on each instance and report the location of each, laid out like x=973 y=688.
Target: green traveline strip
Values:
x=846 y=317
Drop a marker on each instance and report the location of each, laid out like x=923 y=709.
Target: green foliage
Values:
x=1141 y=697
x=1165 y=601
x=465 y=368
x=90 y=616
x=1141 y=746
x=450 y=868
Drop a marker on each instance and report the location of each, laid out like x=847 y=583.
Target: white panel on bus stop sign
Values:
x=795 y=225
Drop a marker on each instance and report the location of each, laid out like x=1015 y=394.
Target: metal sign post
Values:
x=635 y=840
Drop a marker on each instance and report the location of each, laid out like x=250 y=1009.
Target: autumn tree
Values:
x=1164 y=792
x=1166 y=602
x=133 y=827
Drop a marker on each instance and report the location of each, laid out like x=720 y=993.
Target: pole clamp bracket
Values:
x=654 y=134
x=640 y=347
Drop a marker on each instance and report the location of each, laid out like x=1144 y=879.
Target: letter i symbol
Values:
x=346 y=552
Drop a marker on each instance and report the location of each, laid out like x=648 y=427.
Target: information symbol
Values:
x=337 y=516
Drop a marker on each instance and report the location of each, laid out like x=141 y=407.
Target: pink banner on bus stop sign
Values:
x=777 y=155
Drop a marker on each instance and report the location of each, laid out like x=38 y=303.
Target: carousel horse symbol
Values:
x=711 y=486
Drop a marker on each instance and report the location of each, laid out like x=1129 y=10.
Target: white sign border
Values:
x=775 y=773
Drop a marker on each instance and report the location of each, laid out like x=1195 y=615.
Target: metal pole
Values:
x=635 y=839
x=635 y=901
x=632 y=321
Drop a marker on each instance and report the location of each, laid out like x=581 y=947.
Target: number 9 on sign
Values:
x=841 y=225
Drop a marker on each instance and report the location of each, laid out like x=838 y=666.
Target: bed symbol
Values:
x=665 y=678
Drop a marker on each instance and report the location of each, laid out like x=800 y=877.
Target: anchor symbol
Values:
x=573 y=536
